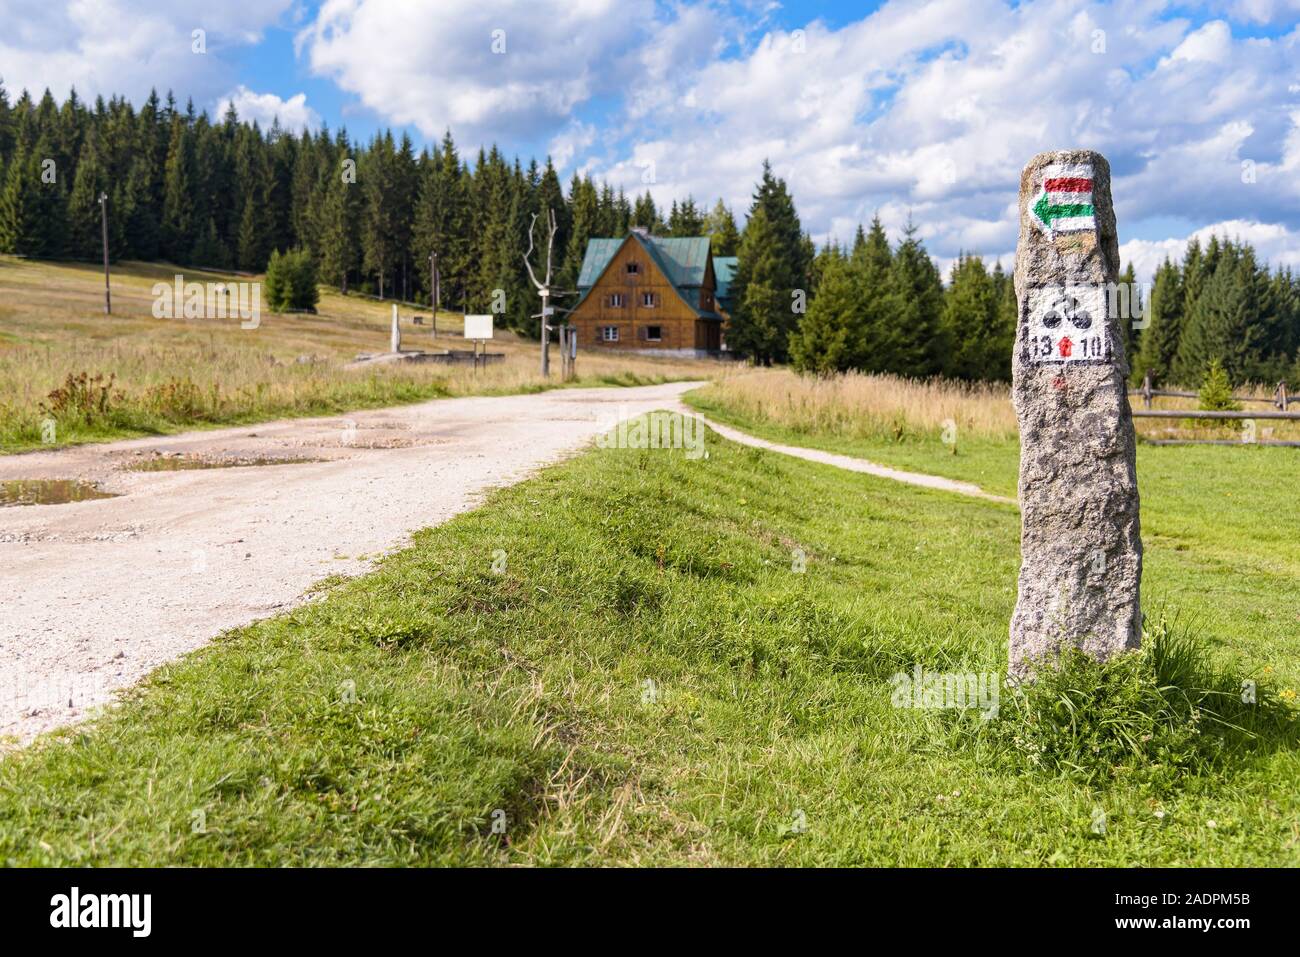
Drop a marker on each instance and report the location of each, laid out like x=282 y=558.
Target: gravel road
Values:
x=99 y=593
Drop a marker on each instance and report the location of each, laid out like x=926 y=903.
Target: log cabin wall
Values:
x=635 y=298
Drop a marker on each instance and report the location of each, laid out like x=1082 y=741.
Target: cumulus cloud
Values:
x=1273 y=242
x=488 y=69
x=929 y=111
x=294 y=114
x=106 y=47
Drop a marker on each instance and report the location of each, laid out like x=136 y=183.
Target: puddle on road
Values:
x=179 y=463
x=49 y=492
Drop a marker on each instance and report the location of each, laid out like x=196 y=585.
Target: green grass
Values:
x=649 y=682
x=990 y=463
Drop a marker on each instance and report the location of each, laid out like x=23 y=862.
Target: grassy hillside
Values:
x=145 y=375
x=650 y=680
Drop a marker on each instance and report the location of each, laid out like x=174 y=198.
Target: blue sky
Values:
x=901 y=109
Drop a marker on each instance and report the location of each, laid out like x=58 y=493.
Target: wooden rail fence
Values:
x=1279 y=400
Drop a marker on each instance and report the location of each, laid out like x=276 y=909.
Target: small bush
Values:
x=291 y=281
x=1153 y=715
x=176 y=400
x=83 y=398
x=1216 y=396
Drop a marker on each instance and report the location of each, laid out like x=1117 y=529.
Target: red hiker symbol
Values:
x=1066 y=347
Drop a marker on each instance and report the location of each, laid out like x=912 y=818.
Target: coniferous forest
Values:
x=226 y=194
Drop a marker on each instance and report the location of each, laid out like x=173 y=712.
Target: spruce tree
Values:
x=583 y=203
x=1222 y=324
x=973 y=339
x=85 y=233
x=763 y=317
x=774 y=255
x=340 y=230
x=916 y=300
x=872 y=262
x=685 y=219
x=179 y=230
x=19 y=207
x=378 y=176
x=831 y=337
x=1159 y=343
x=724 y=237
x=550 y=195
x=644 y=214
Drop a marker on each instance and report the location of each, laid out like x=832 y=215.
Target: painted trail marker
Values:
x=1064 y=201
x=1081 y=550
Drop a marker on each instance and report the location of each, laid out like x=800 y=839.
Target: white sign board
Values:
x=1066 y=324
x=478 y=327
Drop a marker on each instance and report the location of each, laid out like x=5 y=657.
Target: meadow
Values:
x=958 y=430
x=691 y=661
x=681 y=660
x=102 y=377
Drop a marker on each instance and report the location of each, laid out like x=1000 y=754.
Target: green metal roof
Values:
x=683 y=259
x=724 y=269
x=599 y=253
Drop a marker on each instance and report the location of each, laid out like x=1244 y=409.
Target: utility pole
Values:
x=103 y=222
x=433 y=285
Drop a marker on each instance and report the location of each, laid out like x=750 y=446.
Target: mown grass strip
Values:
x=623 y=659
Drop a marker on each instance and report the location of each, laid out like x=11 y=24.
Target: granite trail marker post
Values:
x=1081 y=550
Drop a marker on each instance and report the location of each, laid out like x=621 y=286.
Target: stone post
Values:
x=395 y=339
x=1080 y=544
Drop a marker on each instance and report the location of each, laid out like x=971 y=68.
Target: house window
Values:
x=609 y=333
x=633 y=269
x=648 y=299
x=617 y=301
x=654 y=333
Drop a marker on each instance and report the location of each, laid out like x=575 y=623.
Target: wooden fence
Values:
x=1279 y=400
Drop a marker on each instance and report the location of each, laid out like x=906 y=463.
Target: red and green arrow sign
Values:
x=1064 y=204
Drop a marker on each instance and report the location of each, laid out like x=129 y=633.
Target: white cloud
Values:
x=1273 y=242
x=1212 y=43
x=488 y=69
x=294 y=114
x=567 y=143
x=880 y=114
x=106 y=47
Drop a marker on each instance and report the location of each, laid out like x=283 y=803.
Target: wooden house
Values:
x=651 y=294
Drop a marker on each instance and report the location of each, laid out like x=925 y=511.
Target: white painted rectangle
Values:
x=1066 y=324
x=478 y=327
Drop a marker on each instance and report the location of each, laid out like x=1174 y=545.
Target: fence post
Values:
x=1146 y=390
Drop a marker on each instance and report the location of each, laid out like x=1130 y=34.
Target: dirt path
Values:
x=849 y=462
x=99 y=593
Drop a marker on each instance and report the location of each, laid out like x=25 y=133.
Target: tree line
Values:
x=873 y=307
x=870 y=306
x=226 y=194
x=1219 y=303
